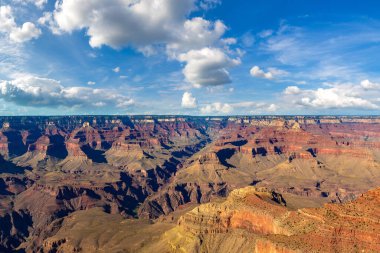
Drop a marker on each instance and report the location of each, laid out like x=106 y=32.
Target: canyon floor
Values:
x=190 y=184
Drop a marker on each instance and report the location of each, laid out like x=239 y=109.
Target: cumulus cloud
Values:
x=368 y=85
x=116 y=70
x=118 y=23
x=188 y=100
x=217 y=108
x=244 y=107
x=197 y=33
x=335 y=98
x=256 y=71
x=17 y=34
x=91 y=83
x=272 y=108
x=207 y=67
x=292 y=90
x=43 y=92
x=27 y=32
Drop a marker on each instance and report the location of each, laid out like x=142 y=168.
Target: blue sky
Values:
x=205 y=57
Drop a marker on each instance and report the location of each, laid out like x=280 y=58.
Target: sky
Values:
x=193 y=57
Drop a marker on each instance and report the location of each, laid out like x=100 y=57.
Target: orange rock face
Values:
x=73 y=148
x=3 y=145
x=350 y=227
x=41 y=145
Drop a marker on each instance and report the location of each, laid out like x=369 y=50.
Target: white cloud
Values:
x=8 y=26
x=43 y=92
x=272 y=73
x=39 y=3
x=272 y=108
x=116 y=70
x=147 y=50
x=7 y=22
x=368 y=85
x=117 y=23
x=257 y=72
x=197 y=33
x=265 y=33
x=207 y=67
x=91 y=83
x=292 y=90
x=336 y=97
x=188 y=100
x=27 y=32
x=47 y=19
x=247 y=107
x=209 y=4
x=277 y=72
x=217 y=108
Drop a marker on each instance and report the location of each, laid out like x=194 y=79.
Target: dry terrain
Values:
x=189 y=184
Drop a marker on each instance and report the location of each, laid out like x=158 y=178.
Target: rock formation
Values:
x=60 y=174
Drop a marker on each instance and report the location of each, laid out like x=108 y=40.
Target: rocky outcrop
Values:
x=87 y=135
x=122 y=152
x=4 y=145
x=36 y=152
x=255 y=217
x=73 y=148
x=273 y=228
x=177 y=195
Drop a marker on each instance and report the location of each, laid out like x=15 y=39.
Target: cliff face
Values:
x=273 y=228
x=157 y=167
x=257 y=216
x=4 y=145
x=73 y=148
x=37 y=152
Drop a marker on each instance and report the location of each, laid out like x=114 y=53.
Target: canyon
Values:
x=190 y=184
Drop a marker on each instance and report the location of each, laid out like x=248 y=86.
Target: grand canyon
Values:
x=190 y=184
x=189 y=126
